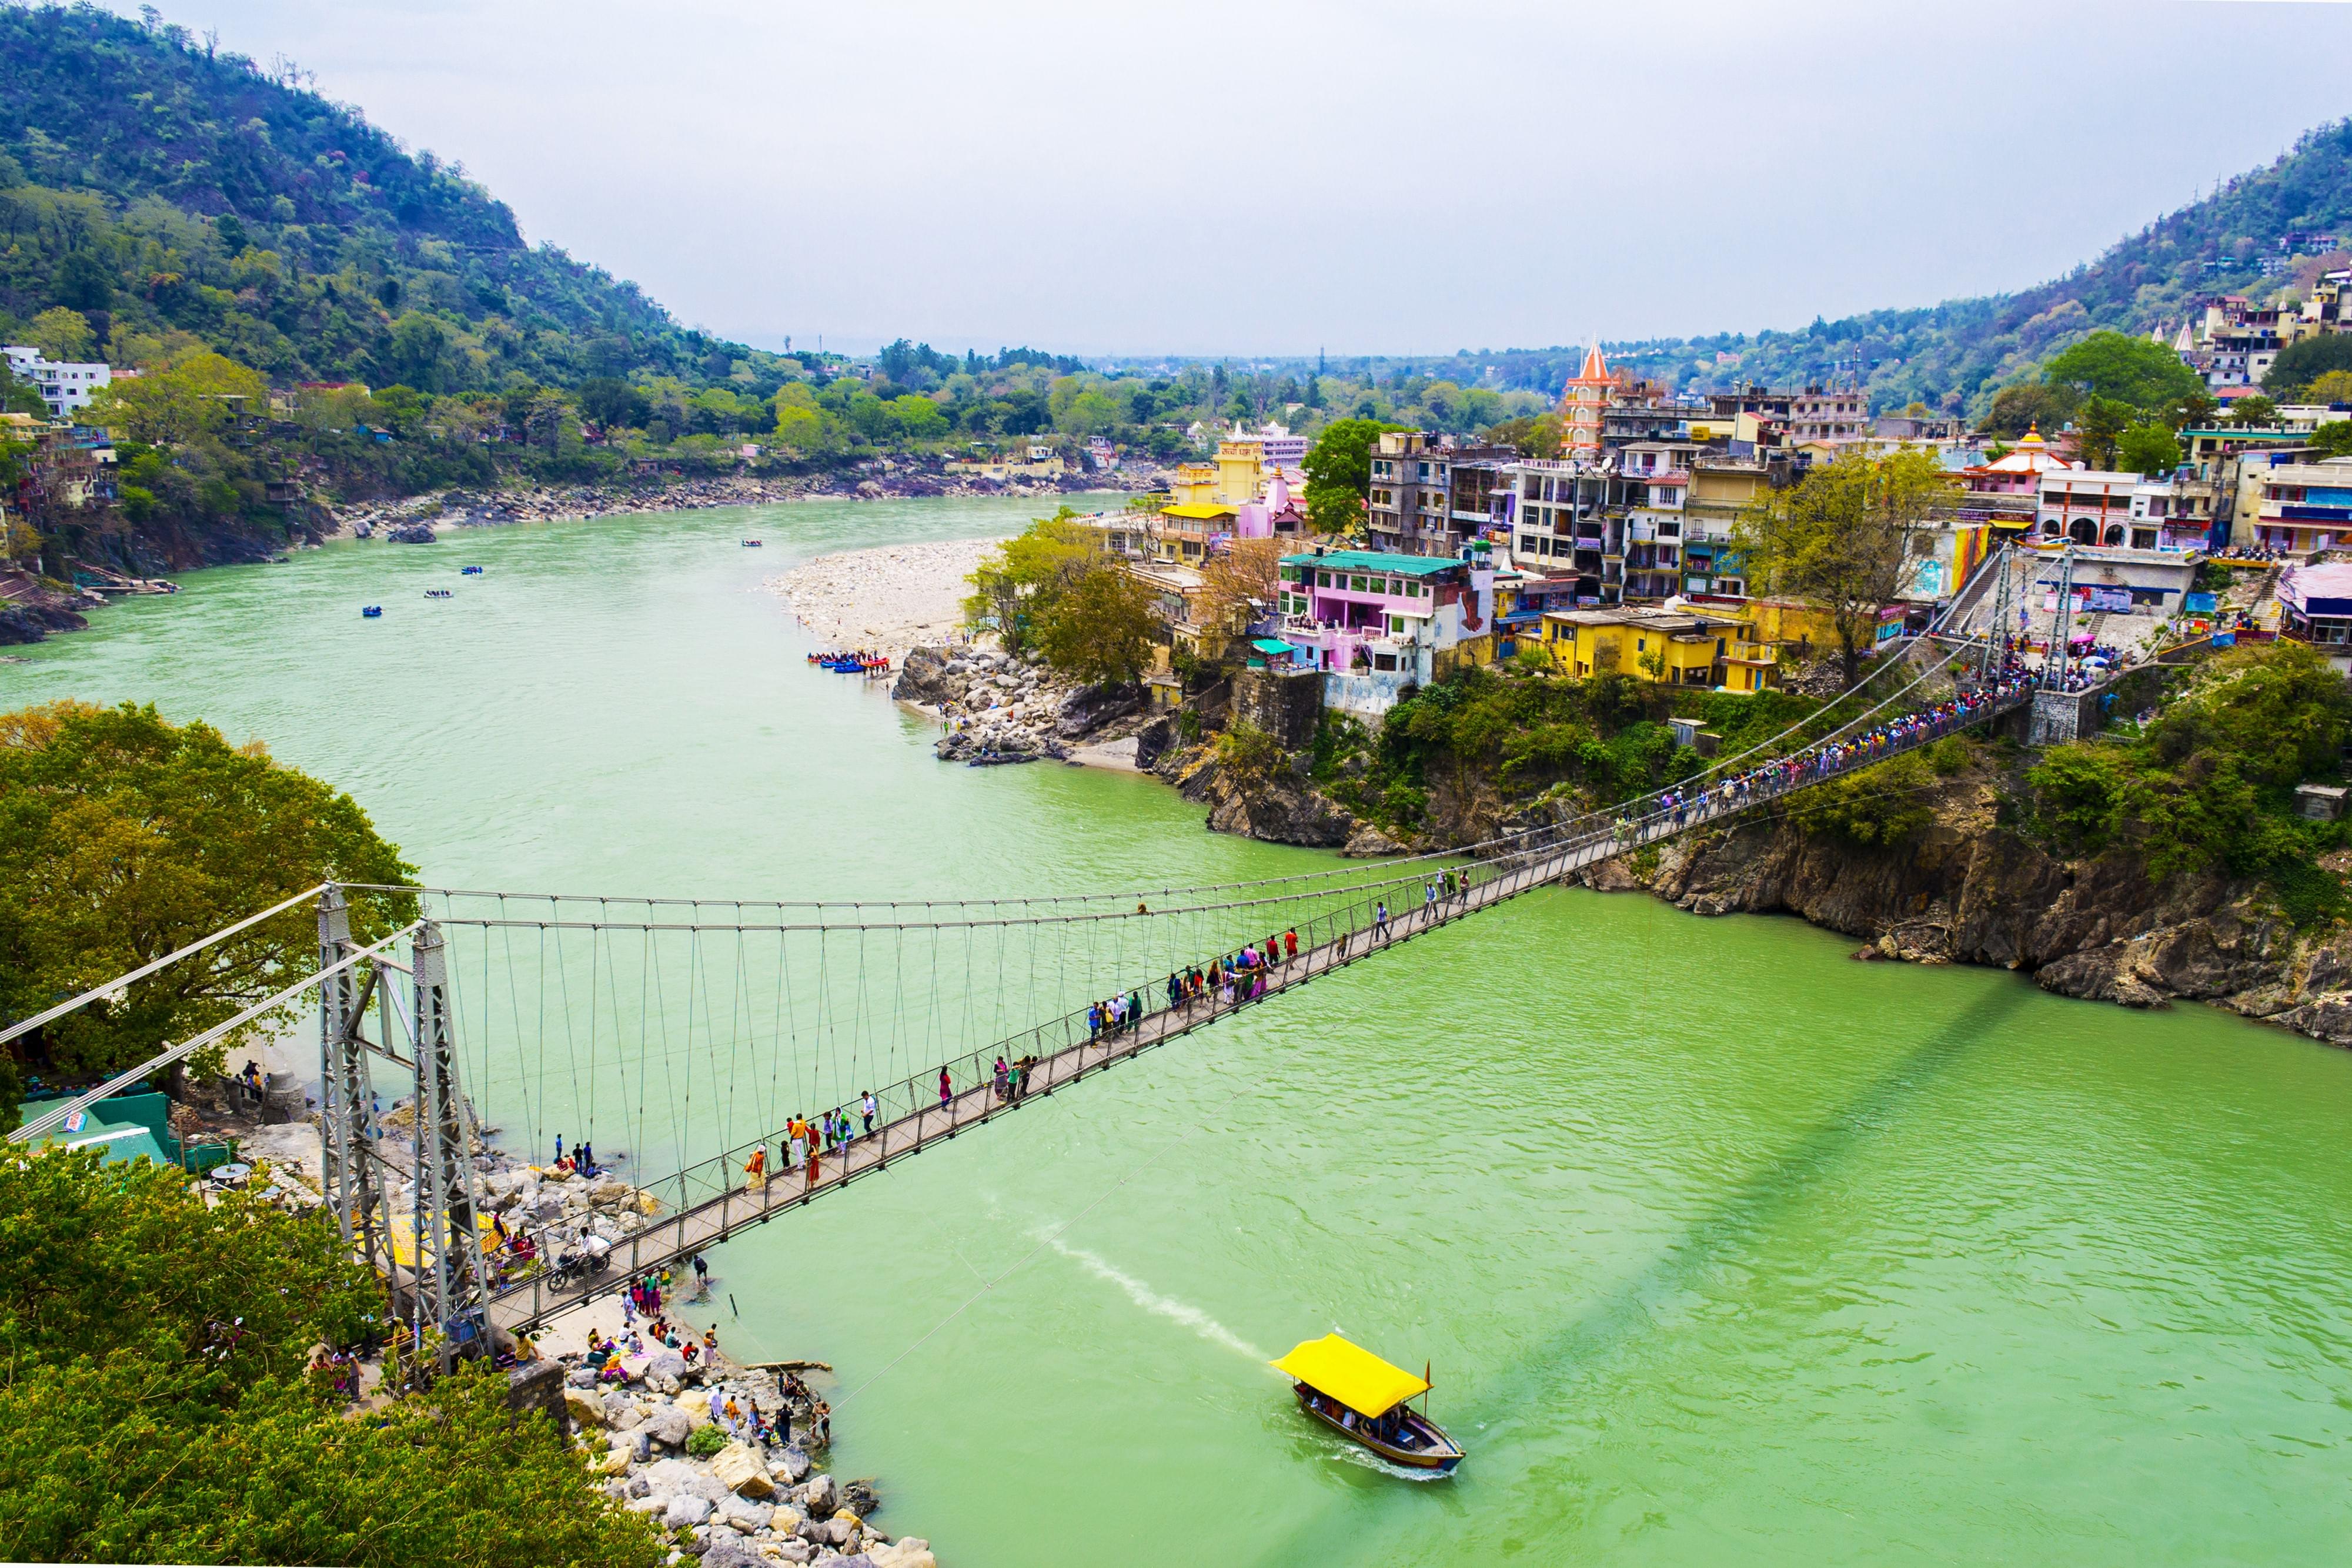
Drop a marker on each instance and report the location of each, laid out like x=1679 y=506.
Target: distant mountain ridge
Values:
x=1954 y=356
x=165 y=162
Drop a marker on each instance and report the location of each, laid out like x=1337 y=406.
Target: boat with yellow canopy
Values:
x=1363 y=1398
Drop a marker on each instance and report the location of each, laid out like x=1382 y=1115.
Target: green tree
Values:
x=63 y=334
x=157 y=1406
x=1339 y=472
x=172 y=405
x=1838 y=539
x=2099 y=425
x=2126 y=367
x=2194 y=412
x=921 y=418
x=2148 y=447
x=123 y=837
x=2333 y=440
x=1537 y=435
x=2016 y=409
x=2334 y=386
x=2305 y=360
x=1015 y=584
x=1100 y=628
x=2254 y=412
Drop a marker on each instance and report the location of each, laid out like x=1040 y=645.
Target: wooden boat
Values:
x=1363 y=1398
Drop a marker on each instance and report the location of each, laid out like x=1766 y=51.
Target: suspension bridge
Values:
x=699 y=1030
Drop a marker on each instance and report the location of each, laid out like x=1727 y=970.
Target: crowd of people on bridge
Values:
x=1698 y=802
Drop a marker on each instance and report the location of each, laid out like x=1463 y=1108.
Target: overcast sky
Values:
x=1284 y=175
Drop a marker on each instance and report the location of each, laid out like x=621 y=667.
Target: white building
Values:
x=2090 y=506
x=64 y=387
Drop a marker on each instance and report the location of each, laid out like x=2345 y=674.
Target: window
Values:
x=1356 y=584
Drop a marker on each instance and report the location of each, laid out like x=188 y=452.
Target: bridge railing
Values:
x=1338 y=933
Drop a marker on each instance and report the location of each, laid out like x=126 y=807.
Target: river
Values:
x=1723 y=1247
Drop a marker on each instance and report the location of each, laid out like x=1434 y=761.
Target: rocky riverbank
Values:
x=1973 y=890
x=996 y=706
x=31 y=609
x=575 y=503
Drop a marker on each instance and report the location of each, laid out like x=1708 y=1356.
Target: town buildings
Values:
x=65 y=386
x=1429 y=498
x=1673 y=647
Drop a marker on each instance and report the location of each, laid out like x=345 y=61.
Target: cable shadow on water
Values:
x=1746 y=1209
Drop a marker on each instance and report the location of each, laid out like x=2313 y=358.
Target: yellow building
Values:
x=1193 y=484
x=1241 y=464
x=1185 y=530
x=1684 y=648
x=1677 y=647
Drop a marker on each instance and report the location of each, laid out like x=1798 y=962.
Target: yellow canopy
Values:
x=1198 y=511
x=1354 y=1376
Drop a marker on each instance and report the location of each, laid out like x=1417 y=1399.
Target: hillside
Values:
x=1955 y=355
x=162 y=189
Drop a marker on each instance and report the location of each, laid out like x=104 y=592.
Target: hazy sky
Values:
x=1124 y=176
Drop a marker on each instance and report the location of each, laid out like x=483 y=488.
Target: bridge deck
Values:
x=734 y=1202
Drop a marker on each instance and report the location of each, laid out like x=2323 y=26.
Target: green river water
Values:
x=1725 y=1247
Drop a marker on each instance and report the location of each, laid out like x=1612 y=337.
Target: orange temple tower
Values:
x=1581 y=406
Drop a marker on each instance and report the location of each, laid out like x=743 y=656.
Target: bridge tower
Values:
x=439 y=1288
x=355 y=1193
x=452 y=1284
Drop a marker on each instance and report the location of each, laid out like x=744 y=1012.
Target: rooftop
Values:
x=1371 y=561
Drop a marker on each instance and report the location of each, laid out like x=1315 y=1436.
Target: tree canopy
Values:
x=157 y=1406
x=2124 y=367
x=1837 y=538
x=123 y=837
x=1338 y=472
x=2305 y=360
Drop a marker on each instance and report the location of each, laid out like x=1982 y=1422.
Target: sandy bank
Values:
x=890 y=598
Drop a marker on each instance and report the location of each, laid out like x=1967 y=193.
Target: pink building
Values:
x=1382 y=620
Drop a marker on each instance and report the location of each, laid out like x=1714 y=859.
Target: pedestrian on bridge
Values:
x=1175 y=990
x=947 y=1089
x=867 y=1108
x=1003 y=1079
x=797 y=1133
x=755 y=1171
x=1381 y=920
x=1290 y=943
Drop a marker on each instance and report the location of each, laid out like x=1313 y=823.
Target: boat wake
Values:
x=1349 y=1453
x=1152 y=1301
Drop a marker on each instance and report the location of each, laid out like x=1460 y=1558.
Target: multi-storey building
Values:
x=1562 y=523
x=1829 y=414
x=2089 y=506
x=1428 y=498
x=2305 y=506
x=64 y=385
x=1376 y=623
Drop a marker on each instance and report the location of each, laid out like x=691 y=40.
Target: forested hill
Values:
x=167 y=190
x=1955 y=355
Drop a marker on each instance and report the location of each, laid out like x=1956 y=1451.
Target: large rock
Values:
x=924 y=677
x=686 y=1510
x=794 y=1464
x=795 y=1551
x=726 y=1552
x=823 y=1498
x=912 y=1551
x=1089 y=709
x=585 y=1408
x=739 y=1467
x=668 y=1425
x=668 y=1363
x=746 y=1515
